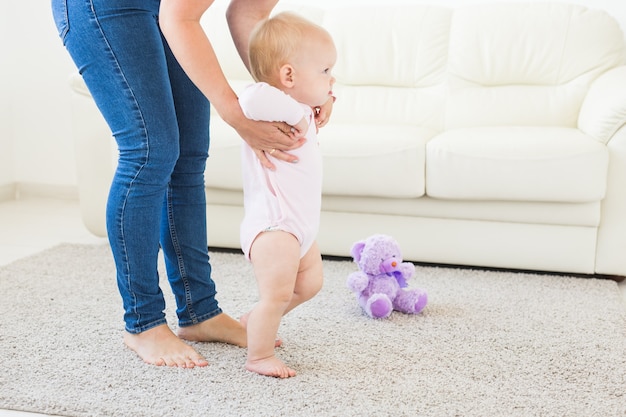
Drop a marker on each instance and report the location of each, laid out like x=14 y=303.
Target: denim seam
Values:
x=179 y=258
x=200 y=319
x=131 y=183
x=148 y=326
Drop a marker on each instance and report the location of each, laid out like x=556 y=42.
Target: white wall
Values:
x=35 y=131
x=35 y=126
x=7 y=173
x=40 y=138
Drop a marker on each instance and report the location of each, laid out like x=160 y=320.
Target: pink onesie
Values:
x=289 y=198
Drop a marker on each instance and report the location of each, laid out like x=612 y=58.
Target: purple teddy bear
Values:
x=381 y=284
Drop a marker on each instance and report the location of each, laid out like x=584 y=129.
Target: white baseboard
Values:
x=20 y=191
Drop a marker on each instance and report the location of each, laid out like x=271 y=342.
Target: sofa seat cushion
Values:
x=521 y=212
x=223 y=168
x=369 y=160
x=377 y=160
x=551 y=164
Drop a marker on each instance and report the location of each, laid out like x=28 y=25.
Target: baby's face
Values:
x=313 y=70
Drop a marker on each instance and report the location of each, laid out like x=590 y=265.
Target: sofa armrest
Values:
x=603 y=111
x=78 y=85
x=96 y=156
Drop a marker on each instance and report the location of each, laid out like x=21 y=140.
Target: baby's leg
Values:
x=309 y=279
x=275 y=258
x=308 y=283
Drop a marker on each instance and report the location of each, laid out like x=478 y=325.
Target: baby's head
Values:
x=294 y=55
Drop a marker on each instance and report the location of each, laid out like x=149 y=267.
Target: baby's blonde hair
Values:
x=275 y=41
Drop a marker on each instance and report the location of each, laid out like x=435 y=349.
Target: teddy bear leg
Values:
x=411 y=301
x=378 y=306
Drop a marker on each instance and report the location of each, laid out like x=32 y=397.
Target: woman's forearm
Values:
x=242 y=17
x=180 y=24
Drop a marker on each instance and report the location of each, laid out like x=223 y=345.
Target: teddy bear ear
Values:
x=357 y=249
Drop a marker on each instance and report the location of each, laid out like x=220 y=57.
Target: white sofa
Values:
x=489 y=135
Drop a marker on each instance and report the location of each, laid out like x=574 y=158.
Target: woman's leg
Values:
x=183 y=224
x=117 y=47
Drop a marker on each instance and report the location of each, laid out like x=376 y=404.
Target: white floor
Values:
x=31 y=225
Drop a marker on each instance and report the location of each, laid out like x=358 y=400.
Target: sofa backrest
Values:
x=391 y=65
x=526 y=64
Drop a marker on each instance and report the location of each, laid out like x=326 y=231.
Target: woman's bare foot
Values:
x=221 y=328
x=271 y=366
x=161 y=347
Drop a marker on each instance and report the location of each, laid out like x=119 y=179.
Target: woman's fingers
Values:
x=263 y=159
x=275 y=139
x=290 y=133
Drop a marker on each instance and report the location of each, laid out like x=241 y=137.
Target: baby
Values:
x=291 y=60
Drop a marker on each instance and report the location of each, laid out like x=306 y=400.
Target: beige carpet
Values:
x=488 y=344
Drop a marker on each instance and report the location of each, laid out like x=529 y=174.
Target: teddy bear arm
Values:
x=407 y=269
x=357 y=281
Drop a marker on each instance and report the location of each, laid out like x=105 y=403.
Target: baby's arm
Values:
x=263 y=102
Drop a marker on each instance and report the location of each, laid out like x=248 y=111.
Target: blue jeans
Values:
x=160 y=121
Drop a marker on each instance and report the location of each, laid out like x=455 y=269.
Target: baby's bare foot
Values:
x=271 y=366
x=221 y=328
x=159 y=346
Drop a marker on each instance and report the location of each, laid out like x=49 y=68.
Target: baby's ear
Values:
x=286 y=75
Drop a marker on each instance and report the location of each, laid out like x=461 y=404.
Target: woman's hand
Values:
x=271 y=138
x=180 y=24
x=323 y=112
